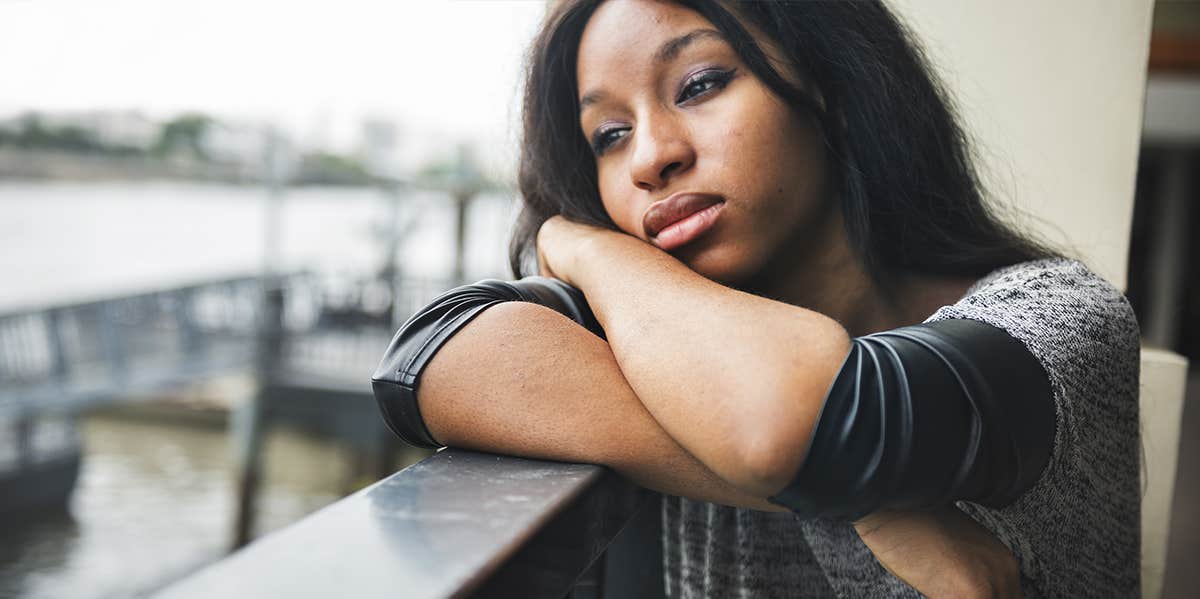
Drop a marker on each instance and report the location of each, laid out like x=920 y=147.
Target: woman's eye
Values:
x=702 y=83
x=603 y=139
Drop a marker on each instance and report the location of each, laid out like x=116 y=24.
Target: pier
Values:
x=308 y=347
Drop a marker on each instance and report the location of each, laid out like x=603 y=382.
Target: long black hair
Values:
x=899 y=162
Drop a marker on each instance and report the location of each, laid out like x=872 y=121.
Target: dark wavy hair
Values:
x=899 y=163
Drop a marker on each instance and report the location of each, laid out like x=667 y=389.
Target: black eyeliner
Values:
x=721 y=77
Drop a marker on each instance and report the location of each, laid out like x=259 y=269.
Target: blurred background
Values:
x=187 y=187
x=1164 y=261
x=213 y=215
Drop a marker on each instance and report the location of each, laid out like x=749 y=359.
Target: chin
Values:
x=721 y=264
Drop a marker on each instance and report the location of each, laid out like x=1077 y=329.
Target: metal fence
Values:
x=460 y=524
x=68 y=357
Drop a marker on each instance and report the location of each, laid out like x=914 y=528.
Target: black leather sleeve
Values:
x=926 y=415
x=395 y=381
x=917 y=417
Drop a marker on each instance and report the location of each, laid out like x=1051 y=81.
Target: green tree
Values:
x=184 y=133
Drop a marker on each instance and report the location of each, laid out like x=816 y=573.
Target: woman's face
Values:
x=693 y=153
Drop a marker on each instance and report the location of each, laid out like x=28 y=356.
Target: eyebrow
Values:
x=665 y=53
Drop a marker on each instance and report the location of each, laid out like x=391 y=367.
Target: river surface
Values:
x=154 y=500
x=65 y=242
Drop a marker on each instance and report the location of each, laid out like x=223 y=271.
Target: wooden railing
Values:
x=459 y=524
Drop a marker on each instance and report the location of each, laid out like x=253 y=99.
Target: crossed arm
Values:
x=700 y=391
x=539 y=385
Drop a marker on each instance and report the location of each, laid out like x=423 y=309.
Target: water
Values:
x=64 y=242
x=155 y=500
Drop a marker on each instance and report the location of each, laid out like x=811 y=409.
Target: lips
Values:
x=681 y=218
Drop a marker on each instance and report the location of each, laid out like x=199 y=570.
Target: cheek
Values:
x=615 y=198
x=752 y=146
x=788 y=153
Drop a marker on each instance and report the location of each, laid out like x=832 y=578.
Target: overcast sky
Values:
x=317 y=67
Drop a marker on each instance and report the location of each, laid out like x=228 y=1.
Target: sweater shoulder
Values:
x=1065 y=313
x=1083 y=331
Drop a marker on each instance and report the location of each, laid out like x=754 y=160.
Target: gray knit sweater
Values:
x=1076 y=533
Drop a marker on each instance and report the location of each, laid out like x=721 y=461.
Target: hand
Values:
x=941 y=553
x=561 y=242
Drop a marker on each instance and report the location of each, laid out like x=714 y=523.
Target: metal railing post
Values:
x=61 y=366
x=114 y=348
x=247 y=423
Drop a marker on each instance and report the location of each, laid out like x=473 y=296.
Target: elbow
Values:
x=765 y=466
x=772 y=447
x=777 y=431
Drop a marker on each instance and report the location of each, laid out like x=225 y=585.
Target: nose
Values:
x=662 y=150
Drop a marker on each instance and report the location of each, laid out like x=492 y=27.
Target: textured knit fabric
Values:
x=1076 y=533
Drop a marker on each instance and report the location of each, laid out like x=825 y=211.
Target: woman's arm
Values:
x=523 y=379
x=527 y=379
x=736 y=379
x=941 y=552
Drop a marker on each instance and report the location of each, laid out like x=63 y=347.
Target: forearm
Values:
x=941 y=552
x=524 y=380
x=738 y=380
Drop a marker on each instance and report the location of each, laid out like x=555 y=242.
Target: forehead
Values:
x=624 y=35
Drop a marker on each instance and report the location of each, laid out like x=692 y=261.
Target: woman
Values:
x=800 y=304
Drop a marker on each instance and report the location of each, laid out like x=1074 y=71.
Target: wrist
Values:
x=596 y=252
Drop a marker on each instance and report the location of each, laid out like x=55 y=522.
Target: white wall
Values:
x=1053 y=93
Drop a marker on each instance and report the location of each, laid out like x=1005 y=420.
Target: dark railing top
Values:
x=99 y=299
x=455 y=524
